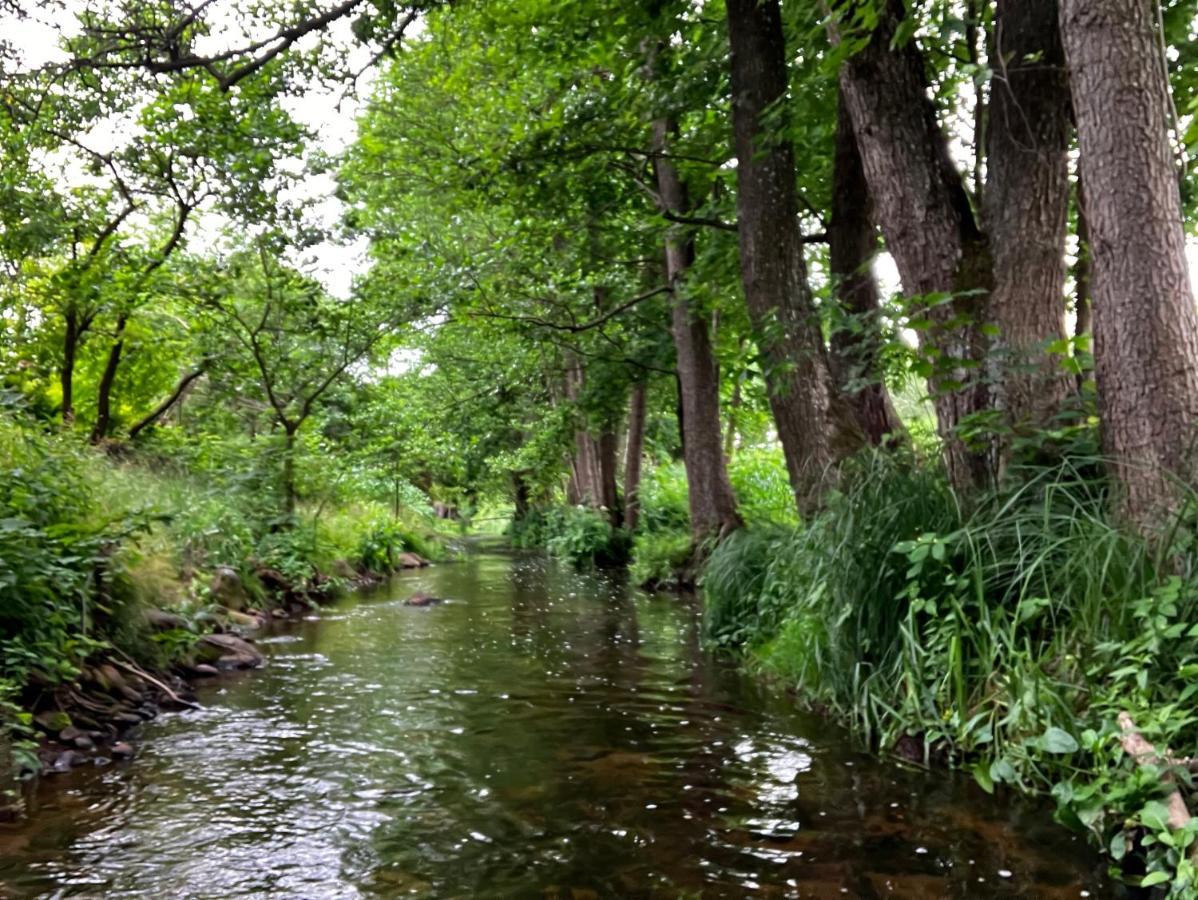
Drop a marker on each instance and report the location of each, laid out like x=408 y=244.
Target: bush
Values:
x=663 y=495
x=661 y=558
x=762 y=487
x=577 y=533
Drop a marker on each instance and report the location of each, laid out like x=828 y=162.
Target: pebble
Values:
x=121 y=750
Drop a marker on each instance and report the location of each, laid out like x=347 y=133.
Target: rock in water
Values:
x=161 y=620
x=121 y=750
x=53 y=721
x=227 y=590
x=228 y=651
x=410 y=561
x=421 y=599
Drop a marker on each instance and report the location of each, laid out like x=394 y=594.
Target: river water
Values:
x=542 y=734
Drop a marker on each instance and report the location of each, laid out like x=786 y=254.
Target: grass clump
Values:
x=1006 y=638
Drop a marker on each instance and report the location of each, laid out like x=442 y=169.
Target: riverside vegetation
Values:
x=861 y=316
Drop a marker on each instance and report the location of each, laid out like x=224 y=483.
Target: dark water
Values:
x=544 y=734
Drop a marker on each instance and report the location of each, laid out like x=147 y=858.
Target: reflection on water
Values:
x=543 y=734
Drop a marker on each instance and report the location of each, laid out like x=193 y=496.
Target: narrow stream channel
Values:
x=543 y=734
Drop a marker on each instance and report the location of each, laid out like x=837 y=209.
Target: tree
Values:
x=1144 y=320
x=1025 y=210
x=857 y=341
x=290 y=339
x=814 y=424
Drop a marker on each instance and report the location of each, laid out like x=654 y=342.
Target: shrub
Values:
x=663 y=495
x=762 y=487
x=660 y=558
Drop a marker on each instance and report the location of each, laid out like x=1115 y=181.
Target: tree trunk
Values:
x=164 y=407
x=607 y=450
x=633 y=452
x=593 y=478
x=521 y=497
x=852 y=246
x=290 y=498
x=1027 y=211
x=1083 y=270
x=70 y=349
x=1145 y=324
x=104 y=392
x=814 y=424
x=709 y=490
x=926 y=218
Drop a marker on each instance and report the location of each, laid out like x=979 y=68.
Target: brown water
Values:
x=544 y=734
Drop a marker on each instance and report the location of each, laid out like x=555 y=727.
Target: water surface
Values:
x=543 y=734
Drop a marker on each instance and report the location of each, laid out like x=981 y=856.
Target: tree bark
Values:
x=1027 y=211
x=927 y=220
x=70 y=349
x=709 y=490
x=852 y=246
x=1145 y=324
x=107 y=380
x=633 y=452
x=521 y=497
x=290 y=497
x=1083 y=270
x=815 y=425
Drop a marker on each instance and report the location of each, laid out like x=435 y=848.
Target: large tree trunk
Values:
x=1145 y=325
x=1026 y=212
x=712 y=502
x=814 y=424
x=852 y=246
x=633 y=452
x=926 y=218
x=107 y=380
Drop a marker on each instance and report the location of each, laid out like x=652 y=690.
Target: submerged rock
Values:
x=422 y=599
x=121 y=750
x=228 y=651
x=65 y=761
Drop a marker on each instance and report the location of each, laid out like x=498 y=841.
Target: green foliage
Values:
x=1007 y=638
x=53 y=549
x=659 y=558
x=576 y=533
x=663 y=495
x=762 y=487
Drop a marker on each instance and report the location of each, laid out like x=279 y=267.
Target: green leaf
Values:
x=1057 y=740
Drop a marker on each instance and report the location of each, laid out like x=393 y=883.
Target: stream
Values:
x=541 y=734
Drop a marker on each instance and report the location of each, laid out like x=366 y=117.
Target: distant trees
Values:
x=662 y=214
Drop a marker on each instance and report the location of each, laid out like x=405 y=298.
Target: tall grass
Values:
x=1005 y=637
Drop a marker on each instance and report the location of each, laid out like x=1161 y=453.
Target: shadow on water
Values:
x=541 y=734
